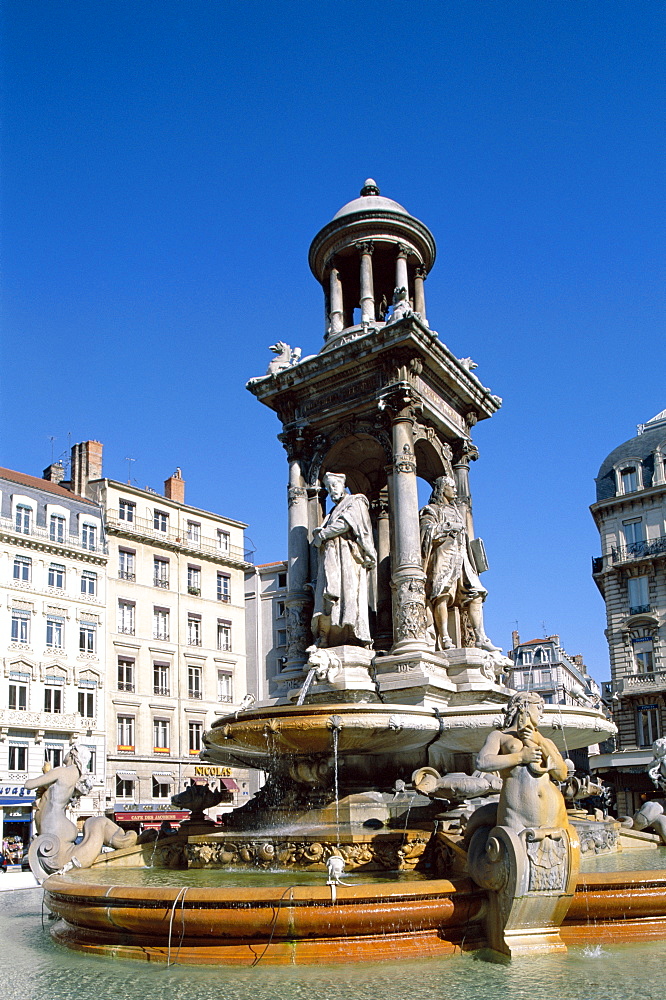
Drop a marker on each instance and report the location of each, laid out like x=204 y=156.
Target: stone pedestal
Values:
x=338 y=673
x=531 y=878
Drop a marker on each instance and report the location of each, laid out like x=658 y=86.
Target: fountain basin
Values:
x=309 y=730
x=261 y=737
x=305 y=924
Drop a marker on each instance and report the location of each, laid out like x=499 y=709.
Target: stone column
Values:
x=464 y=453
x=336 y=315
x=299 y=597
x=419 y=293
x=401 y=276
x=384 y=628
x=408 y=578
x=367 y=285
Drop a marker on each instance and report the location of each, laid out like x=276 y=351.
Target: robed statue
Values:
x=452 y=579
x=346 y=557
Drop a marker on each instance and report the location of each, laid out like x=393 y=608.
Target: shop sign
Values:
x=210 y=771
x=12 y=794
x=143 y=817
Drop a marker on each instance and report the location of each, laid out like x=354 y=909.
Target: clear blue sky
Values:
x=166 y=165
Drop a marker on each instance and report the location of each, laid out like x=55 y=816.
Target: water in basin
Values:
x=33 y=967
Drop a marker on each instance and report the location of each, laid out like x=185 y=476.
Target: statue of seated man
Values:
x=346 y=557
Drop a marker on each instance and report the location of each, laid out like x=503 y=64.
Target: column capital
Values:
x=421 y=272
x=365 y=246
x=400 y=402
x=295 y=441
x=404 y=251
x=464 y=452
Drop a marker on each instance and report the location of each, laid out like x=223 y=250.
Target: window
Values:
x=18 y=697
x=194 y=580
x=194 y=682
x=89 y=583
x=124 y=788
x=160 y=520
x=161 y=789
x=194 y=532
x=53 y=755
x=126 y=732
x=647 y=725
x=23 y=519
x=644 y=658
x=125 y=675
x=224 y=635
x=22 y=568
x=126 y=564
x=92 y=760
x=161 y=678
x=282 y=580
x=88 y=537
x=223 y=541
x=18 y=758
x=53 y=700
x=281 y=637
x=639 y=598
x=57 y=528
x=225 y=686
x=161 y=573
x=87 y=637
x=194 y=630
x=279 y=610
x=55 y=627
x=526 y=657
x=56 y=576
x=86 y=704
x=161 y=623
x=224 y=587
x=629 y=479
x=126 y=617
x=126 y=510
x=634 y=535
x=20 y=626
x=194 y=734
x=161 y=735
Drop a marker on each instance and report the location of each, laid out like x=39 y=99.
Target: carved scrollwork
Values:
x=296 y=493
x=298 y=630
x=405 y=461
x=410 y=617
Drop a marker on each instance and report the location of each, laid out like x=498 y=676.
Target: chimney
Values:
x=174 y=487
x=86 y=465
x=515 y=639
x=54 y=473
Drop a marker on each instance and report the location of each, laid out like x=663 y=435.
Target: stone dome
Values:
x=370 y=200
x=639 y=448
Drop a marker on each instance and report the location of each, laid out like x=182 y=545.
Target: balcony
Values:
x=40 y=534
x=652 y=681
x=640 y=609
x=194 y=695
x=194 y=591
x=639 y=550
x=193 y=640
x=124 y=574
x=172 y=538
x=125 y=629
x=46 y=720
x=161 y=690
x=163 y=584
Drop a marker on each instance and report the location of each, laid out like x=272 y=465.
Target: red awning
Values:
x=229 y=784
x=151 y=817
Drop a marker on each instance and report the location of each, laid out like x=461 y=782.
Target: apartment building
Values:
x=630 y=514
x=266 y=627
x=175 y=639
x=53 y=556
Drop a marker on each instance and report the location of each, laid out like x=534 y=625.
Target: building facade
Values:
x=175 y=639
x=542 y=665
x=53 y=556
x=266 y=627
x=630 y=514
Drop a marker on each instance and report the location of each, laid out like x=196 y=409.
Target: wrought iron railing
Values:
x=639 y=550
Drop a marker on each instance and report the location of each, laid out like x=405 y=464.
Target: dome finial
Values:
x=369 y=188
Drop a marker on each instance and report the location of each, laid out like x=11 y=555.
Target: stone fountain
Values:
x=391 y=689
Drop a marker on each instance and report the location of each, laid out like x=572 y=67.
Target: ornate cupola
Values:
x=371 y=249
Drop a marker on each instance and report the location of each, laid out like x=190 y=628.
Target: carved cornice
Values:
x=400 y=402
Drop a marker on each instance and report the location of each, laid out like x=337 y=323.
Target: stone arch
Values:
x=432 y=458
x=361 y=455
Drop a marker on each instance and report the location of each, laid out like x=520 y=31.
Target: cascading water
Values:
x=306 y=685
x=335 y=724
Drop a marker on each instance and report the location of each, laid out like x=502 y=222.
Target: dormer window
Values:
x=629 y=479
x=628 y=476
